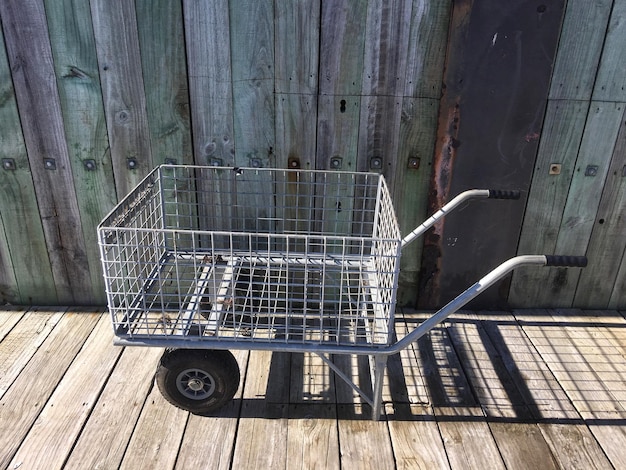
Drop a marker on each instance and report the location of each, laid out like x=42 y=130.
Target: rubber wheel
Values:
x=198 y=380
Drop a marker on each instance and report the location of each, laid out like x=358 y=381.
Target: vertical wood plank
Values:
x=562 y=133
x=618 y=296
x=252 y=59
x=162 y=42
x=342 y=45
x=611 y=76
x=607 y=244
x=210 y=89
x=580 y=47
x=418 y=130
x=9 y=292
x=384 y=68
x=297 y=26
x=297 y=36
x=427 y=48
x=579 y=214
x=119 y=59
x=414 y=164
x=30 y=58
x=30 y=280
x=342 y=41
x=76 y=68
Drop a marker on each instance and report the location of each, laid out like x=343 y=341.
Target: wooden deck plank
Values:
x=312 y=381
x=415 y=437
x=460 y=418
x=312 y=438
x=264 y=412
x=363 y=443
x=222 y=427
x=547 y=335
x=61 y=420
x=519 y=441
x=8 y=319
x=463 y=375
x=106 y=434
x=22 y=403
x=22 y=342
x=157 y=435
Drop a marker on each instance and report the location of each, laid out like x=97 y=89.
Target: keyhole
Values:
x=342 y=106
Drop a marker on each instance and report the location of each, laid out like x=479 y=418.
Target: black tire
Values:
x=198 y=380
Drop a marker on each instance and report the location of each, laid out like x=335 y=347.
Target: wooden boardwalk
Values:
x=527 y=389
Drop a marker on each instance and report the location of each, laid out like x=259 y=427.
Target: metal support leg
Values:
x=380 y=364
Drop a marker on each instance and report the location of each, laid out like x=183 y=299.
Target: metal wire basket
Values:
x=210 y=254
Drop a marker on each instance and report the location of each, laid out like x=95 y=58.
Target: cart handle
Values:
x=487 y=281
x=464 y=196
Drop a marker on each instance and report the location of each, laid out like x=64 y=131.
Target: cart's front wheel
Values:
x=198 y=380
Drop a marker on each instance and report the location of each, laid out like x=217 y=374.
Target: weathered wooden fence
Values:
x=438 y=95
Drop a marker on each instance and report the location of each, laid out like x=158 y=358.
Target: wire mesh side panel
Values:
x=385 y=262
x=259 y=255
x=132 y=247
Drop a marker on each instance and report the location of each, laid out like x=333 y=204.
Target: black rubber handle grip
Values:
x=503 y=194
x=571 y=261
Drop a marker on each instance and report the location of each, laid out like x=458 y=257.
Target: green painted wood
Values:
x=427 y=48
x=76 y=67
x=207 y=42
x=608 y=237
x=384 y=68
x=562 y=133
x=415 y=153
x=252 y=59
x=9 y=291
x=418 y=131
x=252 y=31
x=342 y=42
x=117 y=45
x=27 y=272
x=580 y=47
x=297 y=27
x=296 y=116
x=337 y=132
x=610 y=82
x=30 y=58
x=618 y=296
x=579 y=215
x=162 y=42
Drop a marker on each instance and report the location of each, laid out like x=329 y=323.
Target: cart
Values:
x=204 y=260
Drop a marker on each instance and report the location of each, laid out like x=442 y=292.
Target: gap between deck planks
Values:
x=536 y=387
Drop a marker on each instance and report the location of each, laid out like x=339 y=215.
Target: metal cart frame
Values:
x=267 y=259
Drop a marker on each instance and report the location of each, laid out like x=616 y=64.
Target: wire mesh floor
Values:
x=269 y=297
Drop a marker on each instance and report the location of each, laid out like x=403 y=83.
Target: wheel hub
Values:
x=195 y=384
